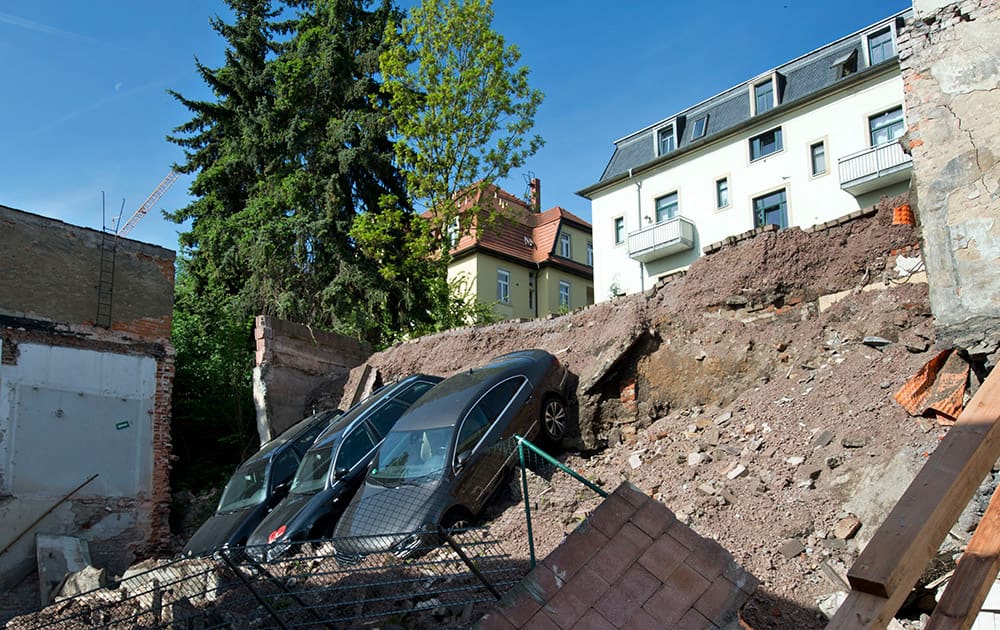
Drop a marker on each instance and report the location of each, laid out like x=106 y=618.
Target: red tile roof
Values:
x=518 y=232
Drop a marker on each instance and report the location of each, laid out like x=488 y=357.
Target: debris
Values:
x=821 y=440
x=834 y=461
x=847 y=527
x=791 y=548
x=876 y=342
x=723 y=419
x=737 y=471
x=939 y=386
x=693 y=459
x=854 y=442
x=634 y=461
x=706 y=488
x=795 y=461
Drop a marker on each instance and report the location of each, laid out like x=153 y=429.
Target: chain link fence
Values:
x=447 y=578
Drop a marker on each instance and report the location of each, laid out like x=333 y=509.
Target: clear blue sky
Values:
x=85 y=108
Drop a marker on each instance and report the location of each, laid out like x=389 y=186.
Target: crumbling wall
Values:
x=298 y=371
x=76 y=398
x=948 y=55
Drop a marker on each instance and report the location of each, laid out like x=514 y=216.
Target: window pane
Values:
x=880 y=47
x=887 y=126
x=565 y=246
x=563 y=294
x=590 y=253
x=765 y=144
x=770 y=210
x=356 y=445
x=763 y=97
x=666 y=207
x=473 y=429
x=722 y=193
x=700 y=126
x=503 y=286
x=665 y=138
x=494 y=403
x=386 y=415
x=619 y=230
x=818 y=156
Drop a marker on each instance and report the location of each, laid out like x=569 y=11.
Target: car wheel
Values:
x=456 y=521
x=554 y=418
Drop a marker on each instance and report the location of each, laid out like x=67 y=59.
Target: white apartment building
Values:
x=806 y=142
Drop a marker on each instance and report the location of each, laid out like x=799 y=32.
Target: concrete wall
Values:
x=840 y=119
x=77 y=399
x=298 y=371
x=949 y=58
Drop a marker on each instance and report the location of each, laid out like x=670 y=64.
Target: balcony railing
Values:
x=874 y=168
x=661 y=239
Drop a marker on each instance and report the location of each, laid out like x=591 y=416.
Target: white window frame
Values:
x=771 y=78
x=729 y=193
x=703 y=119
x=672 y=126
x=750 y=140
x=503 y=285
x=563 y=284
x=614 y=231
x=590 y=253
x=881 y=112
x=677 y=206
x=866 y=43
x=566 y=245
x=826 y=158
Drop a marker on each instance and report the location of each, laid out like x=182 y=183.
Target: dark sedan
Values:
x=257 y=486
x=333 y=469
x=447 y=455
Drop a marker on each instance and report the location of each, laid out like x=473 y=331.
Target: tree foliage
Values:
x=463 y=107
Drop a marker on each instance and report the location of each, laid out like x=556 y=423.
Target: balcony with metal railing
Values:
x=661 y=239
x=874 y=168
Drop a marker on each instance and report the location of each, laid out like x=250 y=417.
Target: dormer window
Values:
x=881 y=46
x=846 y=65
x=666 y=140
x=699 y=127
x=765 y=93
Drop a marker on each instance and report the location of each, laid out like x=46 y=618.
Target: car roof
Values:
x=450 y=400
x=289 y=436
x=359 y=411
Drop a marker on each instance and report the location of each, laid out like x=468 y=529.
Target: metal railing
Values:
x=661 y=239
x=871 y=163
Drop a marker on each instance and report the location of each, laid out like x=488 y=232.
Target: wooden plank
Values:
x=866 y=611
x=974 y=576
x=910 y=536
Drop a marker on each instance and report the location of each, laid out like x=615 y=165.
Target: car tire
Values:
x=554 y=417
x=456 y=520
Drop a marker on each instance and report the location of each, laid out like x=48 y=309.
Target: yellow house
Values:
x=528 y=263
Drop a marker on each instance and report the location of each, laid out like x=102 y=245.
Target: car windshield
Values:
x=247 y=487
x=410 y=455
x=312 y=472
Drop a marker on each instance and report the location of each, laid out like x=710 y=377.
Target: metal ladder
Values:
x=106 y=278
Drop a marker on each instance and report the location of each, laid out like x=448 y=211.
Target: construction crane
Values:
x=153 y=197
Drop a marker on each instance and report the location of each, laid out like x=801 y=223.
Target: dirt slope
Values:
x=727 y=394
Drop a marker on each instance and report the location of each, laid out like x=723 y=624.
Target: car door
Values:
x=386 y=416
x=355 y=450
x=486 y=435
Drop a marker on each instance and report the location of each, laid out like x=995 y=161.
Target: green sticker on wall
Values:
x=124 y=424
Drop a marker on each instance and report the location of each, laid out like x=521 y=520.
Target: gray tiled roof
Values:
x=803 y=77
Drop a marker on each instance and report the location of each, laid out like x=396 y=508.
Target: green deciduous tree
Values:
x=463 y=107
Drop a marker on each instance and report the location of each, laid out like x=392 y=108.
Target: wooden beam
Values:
x=910 y=536
x=977 y=569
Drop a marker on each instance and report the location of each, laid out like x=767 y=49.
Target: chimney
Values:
x=536 y=194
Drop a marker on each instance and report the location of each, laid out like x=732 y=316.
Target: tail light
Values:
x=276 y=534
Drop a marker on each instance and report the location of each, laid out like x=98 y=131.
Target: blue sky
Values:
x=85 y=107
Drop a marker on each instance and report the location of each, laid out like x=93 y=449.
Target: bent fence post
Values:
x=242 y=578
x=527 y=502
x=472 y=567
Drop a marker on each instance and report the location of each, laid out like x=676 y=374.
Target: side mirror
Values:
x=463 y=458
x=340 y=473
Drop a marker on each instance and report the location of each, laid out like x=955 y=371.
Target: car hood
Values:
x=377 y=510
x=285 y=513
x=226 y=528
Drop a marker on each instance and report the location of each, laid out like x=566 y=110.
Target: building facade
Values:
x=801 y=144
x=526 y=263
x=86 y=374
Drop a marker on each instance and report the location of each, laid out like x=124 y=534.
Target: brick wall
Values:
x=948 y=54
x=631 y=564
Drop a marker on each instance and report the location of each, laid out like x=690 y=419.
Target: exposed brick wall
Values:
x=948 y=55
x=631 y=564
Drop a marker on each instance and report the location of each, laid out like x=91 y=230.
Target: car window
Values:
x=474 y=427
x=357 y=444
x=304 y=441
x=415 y=391
x=497 y=399
x=385 y=416
x=284 y=467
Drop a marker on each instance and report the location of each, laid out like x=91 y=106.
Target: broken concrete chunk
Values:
x=82 y=581
x=795 y=461
x=634 y=461
x=821 y=440
x=847 y=527
x=876 y=342
x=693 y=459
x=854 y=442
x=791 y=548
x=706 y=488
x=834 y=461
x=737 y=471
x=721 y=420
